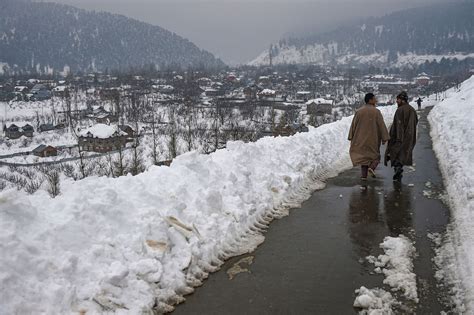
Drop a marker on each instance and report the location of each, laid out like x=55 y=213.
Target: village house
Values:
x=422 y=79
x=40 y=92
x=303 y=96
x=128 y=130
x=45 y=151
x=267 y=94
x=109 y=94
x=61 y=91
x=18 y=129
x=46 y=127
x=102 y=138
x=319 y=107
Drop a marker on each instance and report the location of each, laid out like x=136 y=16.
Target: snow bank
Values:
x=397 y=265
x=132 y=244
x=374 y=301
x=452 y=131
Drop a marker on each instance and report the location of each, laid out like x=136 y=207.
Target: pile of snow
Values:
x=452 y=131
x=397 y=265
x=102 y=131
x=374 y=301
x=135 y=243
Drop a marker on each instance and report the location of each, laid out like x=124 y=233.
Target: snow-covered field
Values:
x=132 y=243
x=452 y=131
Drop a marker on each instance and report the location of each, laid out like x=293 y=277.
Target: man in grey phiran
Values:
x=402 y=137
x=367 y=133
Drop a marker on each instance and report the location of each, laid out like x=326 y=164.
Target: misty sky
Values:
x=238 y=30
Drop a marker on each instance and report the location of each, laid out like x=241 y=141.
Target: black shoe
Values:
x=397 y=177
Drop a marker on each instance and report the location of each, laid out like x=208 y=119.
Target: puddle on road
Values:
x=237 y=268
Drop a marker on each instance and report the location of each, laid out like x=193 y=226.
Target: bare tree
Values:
x=189 y=133
x=172 y=134
x=51 y=174
x=137 y=161
x=154 y=144
x=119 y=163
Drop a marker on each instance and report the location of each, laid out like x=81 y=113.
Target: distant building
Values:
x=319 y=107
x=250 y=92
x=102 y=138
x=422 y=79
x=214 y=92
x=18 y=129
x=128 y=130
x=109 y=94
x=40 y=92
x=267 y=94
x=45 y=151
x=46 y=127
x=60 y=91
x=303 y=95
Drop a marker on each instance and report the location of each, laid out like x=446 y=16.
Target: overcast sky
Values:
x=238 y=30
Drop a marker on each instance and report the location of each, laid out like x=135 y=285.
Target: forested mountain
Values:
x=42 y=37
x=401 y=38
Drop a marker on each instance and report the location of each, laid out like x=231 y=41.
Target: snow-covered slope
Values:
x=131 y=244
x=405 y=38
x=452 y=130
x=318 y=54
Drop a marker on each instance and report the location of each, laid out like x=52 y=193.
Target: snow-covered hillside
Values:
x=319 y=54
x=404 y=38
x=133 y=243
x=452 y=130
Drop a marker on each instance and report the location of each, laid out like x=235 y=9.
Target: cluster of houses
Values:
x=315 y=91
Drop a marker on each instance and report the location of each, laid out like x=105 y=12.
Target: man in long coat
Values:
x=402 y=137
x=367 y=132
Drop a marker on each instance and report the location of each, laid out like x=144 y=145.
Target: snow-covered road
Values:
x=344 y=238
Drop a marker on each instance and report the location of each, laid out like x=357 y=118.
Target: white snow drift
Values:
x=452 y=131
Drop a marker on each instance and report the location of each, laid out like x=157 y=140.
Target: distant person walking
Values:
x=402 y=137
x=367 y=132
x=419 y=101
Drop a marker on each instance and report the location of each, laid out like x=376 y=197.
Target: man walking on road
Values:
x=367 y=132
x=419 y=101
x=402 y=137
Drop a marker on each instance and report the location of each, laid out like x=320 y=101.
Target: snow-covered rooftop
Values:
x=319 y=101
x=267 y=92
x=102 y=131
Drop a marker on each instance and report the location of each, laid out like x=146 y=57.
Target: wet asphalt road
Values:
x=312 y=261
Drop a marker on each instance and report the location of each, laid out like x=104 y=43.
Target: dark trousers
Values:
x=364 y=169
x=398 y=169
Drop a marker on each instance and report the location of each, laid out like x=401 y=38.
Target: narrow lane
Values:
x=312 y=261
